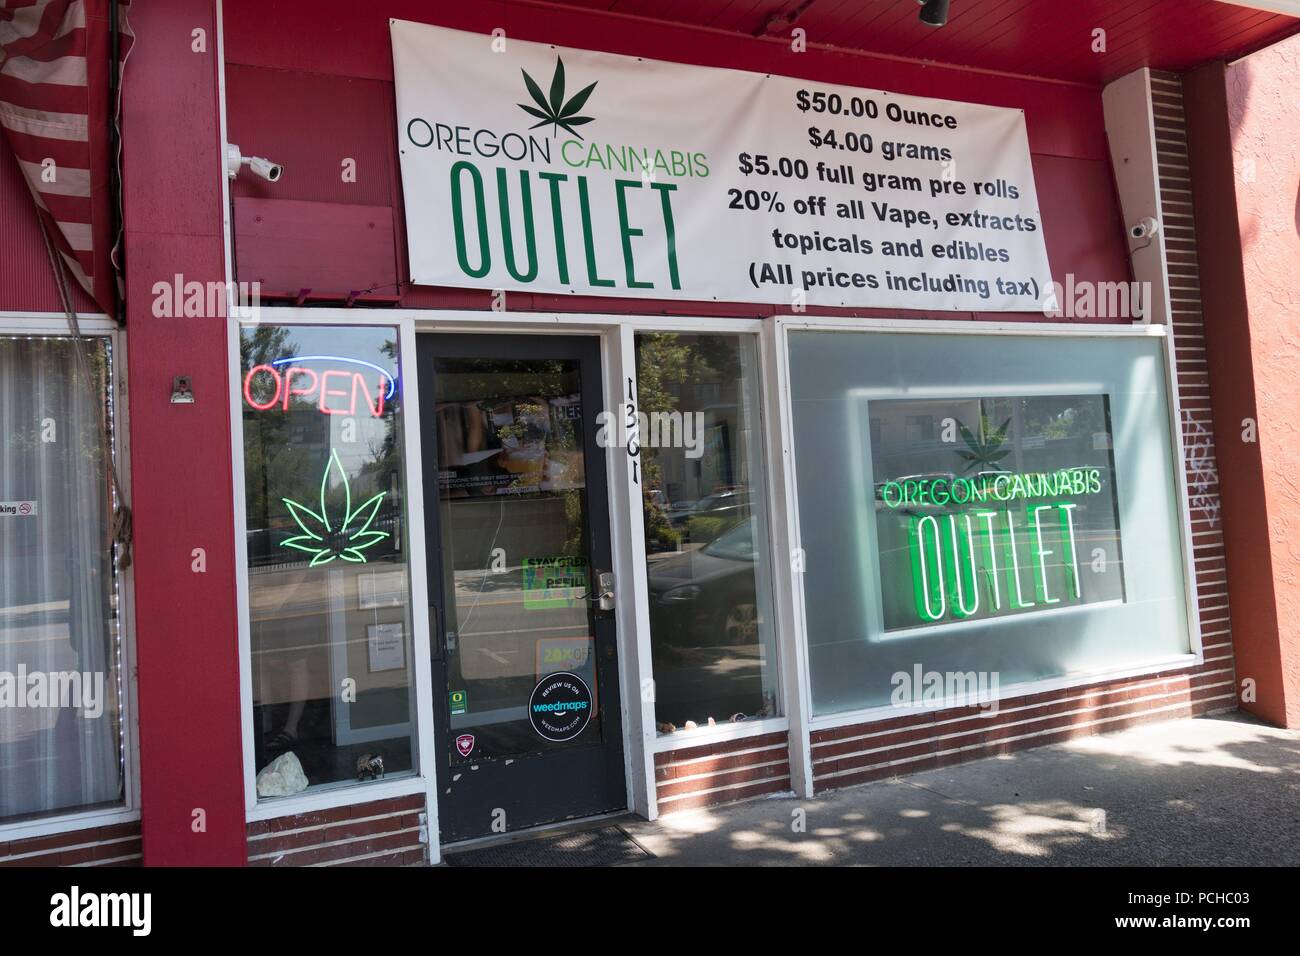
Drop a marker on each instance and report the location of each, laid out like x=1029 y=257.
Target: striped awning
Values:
x=56 y=116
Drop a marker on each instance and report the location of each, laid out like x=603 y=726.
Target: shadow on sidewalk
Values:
x=1222 y=790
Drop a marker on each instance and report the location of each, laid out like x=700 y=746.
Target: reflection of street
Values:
x=290 y=621
x=512 y=486
x=729 y=677
x=497 y=643
x=497 y=632
x=311 y=631
x=708 y=651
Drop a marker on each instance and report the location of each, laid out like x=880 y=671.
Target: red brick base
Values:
x=117 y=845
x=383 y=833
x=722 y=772
x=857 y=753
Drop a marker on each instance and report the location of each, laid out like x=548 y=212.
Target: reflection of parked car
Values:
x=679 y=511
x=707 y=597
x=731 y=505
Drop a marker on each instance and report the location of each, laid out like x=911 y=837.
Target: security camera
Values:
x=257 y=165
x=1144 y=228
x=934 y=13
x=268 y=170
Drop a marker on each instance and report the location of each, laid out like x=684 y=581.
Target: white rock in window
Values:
x=282 y=777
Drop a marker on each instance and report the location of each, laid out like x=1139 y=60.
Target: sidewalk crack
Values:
x=937 y=793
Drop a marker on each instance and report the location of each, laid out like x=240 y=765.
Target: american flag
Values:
x=56 y=116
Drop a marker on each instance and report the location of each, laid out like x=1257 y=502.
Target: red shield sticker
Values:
x=465 y=744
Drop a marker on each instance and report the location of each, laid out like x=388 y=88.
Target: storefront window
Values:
x=708 y=565
x=998 y=507
x=61 y=697
x=328 y=570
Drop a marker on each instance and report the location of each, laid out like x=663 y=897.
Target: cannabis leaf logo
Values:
x=985 y=454
x=554 y=111
x=325 y=536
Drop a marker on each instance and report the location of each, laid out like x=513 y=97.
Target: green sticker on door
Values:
x=554 y=582
x=459 y=700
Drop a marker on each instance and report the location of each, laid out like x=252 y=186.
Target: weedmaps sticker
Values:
x=17 y=509
x=560 y=707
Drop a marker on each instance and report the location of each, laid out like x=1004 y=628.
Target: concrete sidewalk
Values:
x=1208 y=791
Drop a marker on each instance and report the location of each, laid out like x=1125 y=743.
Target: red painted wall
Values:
x=336 y=101
x=1246 y=194
x=186 y=634
x=1247 y=260
x=1265 y=118
x=1264 y=115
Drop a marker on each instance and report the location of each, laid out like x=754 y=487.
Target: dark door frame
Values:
x=531 y=770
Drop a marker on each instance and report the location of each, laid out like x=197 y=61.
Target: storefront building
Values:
x=529 y=412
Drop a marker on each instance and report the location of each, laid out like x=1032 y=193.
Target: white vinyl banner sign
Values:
x=536 y=168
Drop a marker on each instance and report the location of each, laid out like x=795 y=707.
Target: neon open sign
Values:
x=334 y=391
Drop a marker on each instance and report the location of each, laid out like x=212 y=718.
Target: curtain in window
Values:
x=60 y=750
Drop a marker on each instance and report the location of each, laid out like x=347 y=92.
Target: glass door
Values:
x=517 y=517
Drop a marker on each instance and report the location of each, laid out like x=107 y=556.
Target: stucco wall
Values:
x=1264 y=116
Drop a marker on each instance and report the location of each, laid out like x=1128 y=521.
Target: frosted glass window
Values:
x=1004 y=505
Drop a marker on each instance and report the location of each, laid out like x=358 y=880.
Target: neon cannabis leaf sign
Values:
x=327 y=534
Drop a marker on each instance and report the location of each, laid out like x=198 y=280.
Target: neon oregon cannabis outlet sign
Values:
x=956 y=556
x=999 y=542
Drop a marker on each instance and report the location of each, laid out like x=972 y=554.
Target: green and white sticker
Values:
x=554 y=582
x=459 y=701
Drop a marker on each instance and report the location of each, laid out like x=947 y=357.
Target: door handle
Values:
x=436 y=640
x=604 y=599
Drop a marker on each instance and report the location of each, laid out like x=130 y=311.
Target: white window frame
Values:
x=342 y=793
x=652 y=741
x=54 y=325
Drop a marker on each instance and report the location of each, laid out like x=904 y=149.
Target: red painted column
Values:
x=185 y=618
x=1242 y=126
